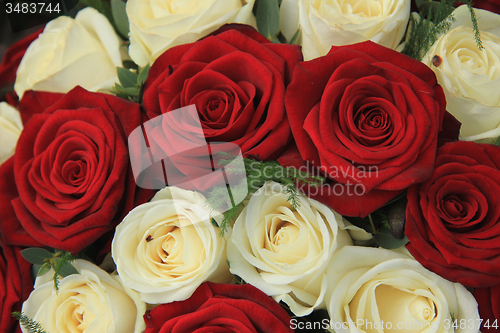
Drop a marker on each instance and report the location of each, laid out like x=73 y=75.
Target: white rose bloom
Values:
x=166 y=248
x=92 y=301
x=470 y=78
x=377 y=290
x=156 y=26
x=10 y=129
x=285 y=252
x=324 y=23
x=84 y=51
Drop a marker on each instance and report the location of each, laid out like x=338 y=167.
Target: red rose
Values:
x=220 y=308
x=488 y=300
x=453 y=219
x=368 y=117
x=16 y=285
x=236 y=79
x=69 y=181
x=11 y=60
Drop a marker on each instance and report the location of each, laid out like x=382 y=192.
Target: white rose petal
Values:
x=324 y=23
x=157 y=26
x=375 y=290
x=470 y=77
x=92 y=300
x=10 y=129
x=84 y=51
x=284 y=252
x=166 y=248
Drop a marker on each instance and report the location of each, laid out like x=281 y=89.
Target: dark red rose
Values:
x=453 y=219
x=16 y=285
x=368 y=117
x=220 y=308
x=236 y=80
x=488 y=300
x=10 y=63
x=69 y=181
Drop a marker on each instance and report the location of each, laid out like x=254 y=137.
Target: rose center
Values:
x=373 y=125
x=75 y=172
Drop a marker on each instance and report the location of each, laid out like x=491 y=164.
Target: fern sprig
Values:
x=475 y=27
x=29 y=324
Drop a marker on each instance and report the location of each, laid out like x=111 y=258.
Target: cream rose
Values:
x=92 y=301
x=156 y=26
x=10 y=129
x=285 y=252
x=324 y=23
x=370 y=288
x=84 y=51
x=166 y=248
x=470 y=78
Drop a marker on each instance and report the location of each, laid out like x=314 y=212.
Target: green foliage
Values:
x=257 y=173
x=496 y=141
x=436 y=19
x=29 y=324
x=477 y=34
x=386 y=224
x=131 y=85
x=268 y=18
x=120 y=17
x=59 y=261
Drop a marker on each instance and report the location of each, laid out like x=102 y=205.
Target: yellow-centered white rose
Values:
x=166 y=248
x=92 y=301
x=377 y=290
x=324 y=23
x=10 y=129
x=156 y=26
x=470 y=77
x=84 y=51
x=285 y=251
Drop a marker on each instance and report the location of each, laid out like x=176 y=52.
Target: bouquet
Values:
x=250 y=166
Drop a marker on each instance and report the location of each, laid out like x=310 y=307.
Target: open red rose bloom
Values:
x=452 y=219
x=368 y=117
x=69 y=181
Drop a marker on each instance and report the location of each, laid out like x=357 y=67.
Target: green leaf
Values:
x=36 y=255
x=295 y=37
x=127 y=78
x=66 y=268
x=129 y=64
x=143 y=74
x=120 y=17
x=132 y=91
x=43 y=269
x=385 y=239
x=268 y=18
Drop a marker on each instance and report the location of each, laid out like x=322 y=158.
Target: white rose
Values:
x=373 y=290
x=324 y=23
x=156 y=26
x=84 y=51
x=285 y=252
x=10 y=129
x=470 y=78
x=166 y=248
x=92 y=301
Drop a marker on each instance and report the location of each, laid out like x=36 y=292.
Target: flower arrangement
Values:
x=251 y=166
